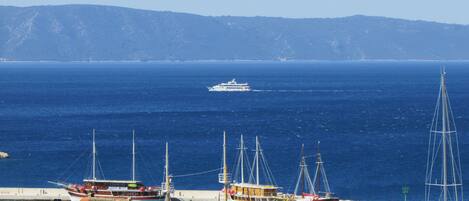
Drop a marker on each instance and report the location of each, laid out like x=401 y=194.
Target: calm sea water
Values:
x=372 y=119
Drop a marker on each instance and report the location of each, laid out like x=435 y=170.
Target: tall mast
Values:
x=94 y=156
x=320 y=176
x=167 y=179
x=133 y=155
x=242 y=159
x=225 y=168
x=318 y=169
x=443 y=136
x=303 y=182
x=257 y=160
x=444 y=175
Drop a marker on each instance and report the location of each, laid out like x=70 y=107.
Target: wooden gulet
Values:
x=113 y=190
x=252 y=190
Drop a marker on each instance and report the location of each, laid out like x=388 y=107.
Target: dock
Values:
x=58 y=194
x=33 y=194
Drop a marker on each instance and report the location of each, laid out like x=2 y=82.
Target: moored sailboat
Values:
x=115 y=190
x=253 y=189
x=310 y=190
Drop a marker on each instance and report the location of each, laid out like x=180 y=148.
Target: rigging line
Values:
x=454 y=169
x=88 y=167
x=251 y=175
x=269 y=171
x=434 y=125
x=71 y=165
x=457 y=140
x=435 y=153
x=431 y=155
x=248 y=166
x=293 y=180
x=146 y=166
x=197 y=173
x=100 y=168
x=87 y=173
x=235 y=167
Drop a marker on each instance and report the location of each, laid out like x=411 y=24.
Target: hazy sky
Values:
x=451 y=11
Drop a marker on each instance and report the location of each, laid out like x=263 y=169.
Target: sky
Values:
x=447 y=11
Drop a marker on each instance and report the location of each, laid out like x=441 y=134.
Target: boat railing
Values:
x=221 y=178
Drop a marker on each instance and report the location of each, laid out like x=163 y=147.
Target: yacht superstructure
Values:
x=230 y=86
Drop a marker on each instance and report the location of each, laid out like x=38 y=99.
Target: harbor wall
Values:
x=58 y=194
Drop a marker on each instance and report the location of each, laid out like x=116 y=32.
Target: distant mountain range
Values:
x=97 y=33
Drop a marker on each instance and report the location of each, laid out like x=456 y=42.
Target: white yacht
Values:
x=230 y=86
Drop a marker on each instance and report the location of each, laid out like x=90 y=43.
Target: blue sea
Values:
x=372 y=119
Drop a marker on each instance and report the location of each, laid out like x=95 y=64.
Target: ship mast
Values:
x=257 y=160
x=167 y=179
x=241 y=158
x=241 y=154
x=443 y=136
x=320 y=174
x=260 y=162
x=94 y=156
x=225 y=167
x=133 y=155
x=304 y=180
x=317 y=179
x=443 y=132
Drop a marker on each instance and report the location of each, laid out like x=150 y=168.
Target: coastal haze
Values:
x=104 y=33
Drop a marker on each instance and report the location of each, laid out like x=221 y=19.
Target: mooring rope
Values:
x=197 y=173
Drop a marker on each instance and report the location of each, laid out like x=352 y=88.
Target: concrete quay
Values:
x=33 y=194
x=58 y=194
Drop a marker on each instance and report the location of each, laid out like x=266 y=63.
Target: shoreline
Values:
x=59 y=194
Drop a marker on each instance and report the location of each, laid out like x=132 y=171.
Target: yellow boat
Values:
x=252 y=189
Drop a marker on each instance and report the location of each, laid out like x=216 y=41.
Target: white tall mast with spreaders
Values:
x=443 y=145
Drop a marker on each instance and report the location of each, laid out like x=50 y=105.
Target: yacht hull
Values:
x=98 y=197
